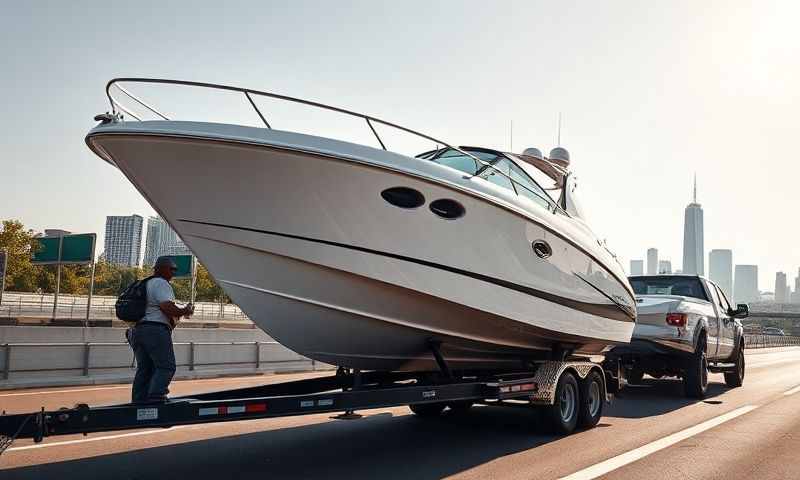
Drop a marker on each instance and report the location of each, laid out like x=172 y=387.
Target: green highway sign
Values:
x=45 y=250
x=76 y=248
x=185 y=265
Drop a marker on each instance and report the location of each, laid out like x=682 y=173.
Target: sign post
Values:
x=3 y=262
x=58 y=275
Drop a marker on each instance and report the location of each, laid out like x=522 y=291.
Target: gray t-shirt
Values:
x=158 y=290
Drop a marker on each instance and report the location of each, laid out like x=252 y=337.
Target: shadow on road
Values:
x=657 y=397
x=377 y=446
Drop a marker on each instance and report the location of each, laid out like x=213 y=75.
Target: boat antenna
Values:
x=694 y=194
x=511 y=139
x=558 y=142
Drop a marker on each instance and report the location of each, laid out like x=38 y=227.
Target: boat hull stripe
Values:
x=610 y=311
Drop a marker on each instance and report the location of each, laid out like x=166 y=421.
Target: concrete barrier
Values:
x=56 y=356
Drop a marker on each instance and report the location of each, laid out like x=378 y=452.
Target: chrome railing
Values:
x=118 y=106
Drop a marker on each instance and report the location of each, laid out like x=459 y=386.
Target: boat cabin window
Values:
x=669 y=285
x=493 y=174
x=459 y=161
x=500 y=170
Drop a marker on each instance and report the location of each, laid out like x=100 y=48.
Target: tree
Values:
x=19 y=244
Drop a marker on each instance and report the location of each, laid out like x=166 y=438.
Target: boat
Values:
x=365 y=258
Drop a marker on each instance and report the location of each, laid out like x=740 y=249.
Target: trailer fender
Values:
x=549 y=372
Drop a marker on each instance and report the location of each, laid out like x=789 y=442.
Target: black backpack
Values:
x=132 y=304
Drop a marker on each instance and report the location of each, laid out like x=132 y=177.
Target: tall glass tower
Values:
x=693 y=258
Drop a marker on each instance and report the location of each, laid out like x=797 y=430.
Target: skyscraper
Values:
x=652 y=261
x=161 y=240
x=780 y=287
x=745 y=286
x=796 y=294
x=664 y=266
x=637 y=267
x=693 y=261
x=123 y=242
x=720 y=270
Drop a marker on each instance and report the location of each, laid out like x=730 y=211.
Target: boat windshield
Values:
x=669 y=285
x=497 y=169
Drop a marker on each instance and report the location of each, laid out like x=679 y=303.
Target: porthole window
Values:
x=446 y=208
x=403 y=197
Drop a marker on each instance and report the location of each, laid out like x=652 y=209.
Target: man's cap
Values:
x=165 y=262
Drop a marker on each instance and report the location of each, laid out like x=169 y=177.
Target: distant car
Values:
x=774 y=331
x=685 y=328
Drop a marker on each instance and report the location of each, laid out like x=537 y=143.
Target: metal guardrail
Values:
x=256 y=359
x=74 y=307
x=767 y=341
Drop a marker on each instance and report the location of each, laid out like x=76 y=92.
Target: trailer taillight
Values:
x=676 y=319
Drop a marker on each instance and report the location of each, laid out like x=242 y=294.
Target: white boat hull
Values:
x=295 y=230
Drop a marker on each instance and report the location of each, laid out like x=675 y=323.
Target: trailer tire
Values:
x=561 y=417
x=427 y=410
x=591 y=400
x=736 y=378
x=695 y=378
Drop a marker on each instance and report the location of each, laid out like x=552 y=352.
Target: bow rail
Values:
x=118 y=105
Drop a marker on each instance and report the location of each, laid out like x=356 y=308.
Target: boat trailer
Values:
x=427 y=394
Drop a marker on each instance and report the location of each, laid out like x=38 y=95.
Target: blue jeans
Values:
x=155 y=362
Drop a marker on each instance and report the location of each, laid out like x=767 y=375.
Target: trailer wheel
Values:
x=695 y=379
x=562 y=416
x=736 y=378
x=427 y=410
x=591 y=400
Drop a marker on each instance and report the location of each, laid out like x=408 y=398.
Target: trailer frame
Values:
x=345 y=391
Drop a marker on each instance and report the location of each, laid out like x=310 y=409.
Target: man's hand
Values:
x=189 y=310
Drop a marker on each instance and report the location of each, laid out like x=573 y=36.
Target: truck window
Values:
x=668 y=285
x=723 y=300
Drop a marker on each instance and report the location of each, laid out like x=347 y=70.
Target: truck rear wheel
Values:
x=562 y=416
x=591 y=400
x=695 y=378
x=736 y=378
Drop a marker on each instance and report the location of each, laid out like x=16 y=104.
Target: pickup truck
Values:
x=686 y=327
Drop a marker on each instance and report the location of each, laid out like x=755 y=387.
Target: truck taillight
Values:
x=676 y=319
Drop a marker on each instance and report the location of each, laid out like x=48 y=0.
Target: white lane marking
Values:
x=47 y=392
x=97 y=439
x=792 y=391
x=614 y=463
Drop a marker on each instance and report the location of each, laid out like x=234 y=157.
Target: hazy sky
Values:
x=651 y=92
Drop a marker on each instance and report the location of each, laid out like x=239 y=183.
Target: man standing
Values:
x=152 y=336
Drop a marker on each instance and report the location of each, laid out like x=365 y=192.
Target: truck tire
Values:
x=695 y=377
x=561 y=417
x=427 y=410
x=736 y=378
x=592 y=399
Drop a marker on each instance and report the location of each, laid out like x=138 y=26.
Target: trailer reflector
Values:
x=238 y=409
x=208 y=411
x=256 y=407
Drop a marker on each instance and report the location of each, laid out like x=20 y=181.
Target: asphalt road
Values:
x=650 y=432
